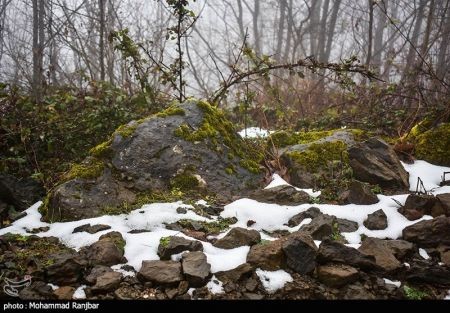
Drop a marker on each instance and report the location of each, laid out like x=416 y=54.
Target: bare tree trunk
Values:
x=370 y=34
x=442 y=61
x=38 y=48
x=3 y=6
x=390 y=51
x=426 y=39
x=256 y=34
x=280 y=35
x=331 y=30
x=323 y=31
x=290 y=29
x=110 y=51
x=313 y=25
x=241 y=19
x=379 y=36
x=101 y=5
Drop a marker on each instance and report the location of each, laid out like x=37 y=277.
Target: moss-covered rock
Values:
x=433 y=145
x=190 y=150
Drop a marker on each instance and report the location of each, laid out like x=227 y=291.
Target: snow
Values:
x=278 y=181
x=272 y=281
x=255 y=132
x=79 y=294
x=117 y=268
x=424 y=254
x=54 y=287
x=395 y=283
x=215 y=286
x=268 y=218
x=448 y=296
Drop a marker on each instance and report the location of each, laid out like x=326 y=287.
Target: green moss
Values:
x=230 y=170
x=126 y=130
x=221 y=225
x=319 y=155
x=171 y=111
x=164 y=241
x=93 y=168
x=250 y=165
x=102 y=150
x=185 y=181
x=120 y=243
x=434 y=145
x=414 y=294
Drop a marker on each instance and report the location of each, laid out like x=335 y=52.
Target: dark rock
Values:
x=106 y=282
x=357 y=291
x=442 y=206
x=417 y=206
x=96 y=271
x=384 y=257
x=425 y=273
x=376 y=221
x=360 y=193
x=64 y=293
x=37 y=291
x=181 y=210
x=401 y=249
x=108 y=251
x=175 y=245
x=238 y=237
x=310 y=213
x=91 y=229
x=159 y=153
x=235 y=275
x=337 y=275
x=346 y=226
x=333 y=251
x=139 y=231
x=253 y=296
x=161 y=272
x=445 y=257
x=20 y=193
x=320 y=227
x=431 y=233
x=283 y=195
x=66 y=268
x=375 y=162
x=40 y=230
x=196 y=268
x=300 y=252
x=268 y=256
x=183 y=287
x=171 y=293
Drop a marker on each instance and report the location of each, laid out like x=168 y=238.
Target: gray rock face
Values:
x=91 y=229
x=320 y=227
x=442 y=206
x=238 y=237
x=107 y=251
x=346 y=226
x=268 y=256
x=431 y=233
x=196 y=268
x=157 y=151
x=66 y=269
x=297 y=219
x=300 y=252
x=400 y=248
x=235 y=275
x=424 y=272
x=360 y=193
x=107 y=281
x=376 y=221
x=283 y=195
x=21 y=193
x=375 y=162
x=177 y=245
x=417 y=206
x=333 y=251
x=161 y=272
x=96 y=272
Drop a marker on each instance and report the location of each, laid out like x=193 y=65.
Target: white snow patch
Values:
x=254 y=132
x=117 y=268
x=215 y=286
x=278 y=181
x=395 y=283
x=448 y=296
x=272 y=281
x=202 y=202
x=430 y=174
x=79 y=294
x=177 y=257
x=190 y=292
x=424 y=254
x=54 y=287
x=224 y=260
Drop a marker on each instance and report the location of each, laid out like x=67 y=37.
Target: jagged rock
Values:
x=20 y=193
x=400 y=248
x=442 y=206
x=91 y=229
x=346 y=226
x=108 y=251
x=161 y=272
x=268 y=256
x=175 y=245
x=360 y=193
x=196 y=268
x=310 y=213
x=426 y=273
x=283 y=195
x=64 y=293
x=95 y=272
x=384 y=258
x=169 y=150
x=238 y=237
x=431 y=233
x=300 y=252
x=357 y=291
x=375 y=162
x=320 y=227
x=66 y=268
x=335 y=252
x=376 y=221
x=235 y=275
x=445 y=257
x=337 y=275
x=38 y=290
x=417 y=206
x=108 y=281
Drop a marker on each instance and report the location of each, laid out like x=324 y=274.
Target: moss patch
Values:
x=185 y=181
x=164 y=241
x=434 y=145
x=171 y=111
x=102 y=150
x=92 y=168
x=217 y=227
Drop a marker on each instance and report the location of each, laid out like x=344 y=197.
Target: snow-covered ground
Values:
x=255 y=132
x=268 y=217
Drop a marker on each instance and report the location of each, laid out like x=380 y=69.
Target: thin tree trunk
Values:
x=313 y=26
x=370 y=34
x=379 y=36
x=331 y=30
x=38 y=48
x=101 y=4
x=442 y=62
x=323 y=31
x=281 y=23
x=256 y=34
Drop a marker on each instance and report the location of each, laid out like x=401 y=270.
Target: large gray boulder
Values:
x=191 y=147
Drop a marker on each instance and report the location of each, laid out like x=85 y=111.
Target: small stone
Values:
x=238 y=237
x=181 y=210
x=376 y=221
x=337 y=275
x=64 y=293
